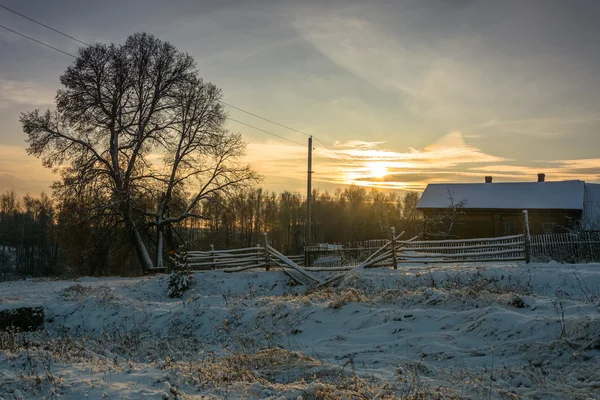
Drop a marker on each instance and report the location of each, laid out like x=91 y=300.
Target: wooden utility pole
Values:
x=394 y=256
x=309 y=193
x=267 y=259
x=527 y=236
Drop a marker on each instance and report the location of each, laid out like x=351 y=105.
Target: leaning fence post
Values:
x=267 y=266
x=394 y=256
x=527 y=236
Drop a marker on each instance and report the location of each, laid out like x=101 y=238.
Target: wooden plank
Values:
x=458 y=248
x=245 y=268
x=434 y=261
x=293 y=265
x=358 y=267
x=386 y=245
x=467 y=240
x=293 y=273
x=463 y=255
x=226 y=262
x=329 y=269
x=208 y=252
x=224 y=256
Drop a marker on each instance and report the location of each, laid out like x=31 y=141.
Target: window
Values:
x=548 y=227
x=509 y=228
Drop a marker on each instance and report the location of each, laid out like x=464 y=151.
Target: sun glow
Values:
x=377 y=169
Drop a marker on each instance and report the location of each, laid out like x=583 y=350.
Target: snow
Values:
x=9 y=305
x=565 y=195
x=459 y=330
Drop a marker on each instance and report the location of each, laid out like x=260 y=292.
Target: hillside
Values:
x=468 y=332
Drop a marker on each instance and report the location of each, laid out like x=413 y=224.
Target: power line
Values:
x=71 y=55
x=266 y=119
x=334 y=160
x=324 y=144
x=262 y=130
x=44 y=25
x=284 y=126
x=222 y=102
x=278 y=124
x=37 y=41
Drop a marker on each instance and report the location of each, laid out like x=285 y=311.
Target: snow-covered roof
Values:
x=591 y=207
x=564 y=195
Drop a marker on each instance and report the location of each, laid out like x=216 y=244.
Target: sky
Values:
x=401 y=93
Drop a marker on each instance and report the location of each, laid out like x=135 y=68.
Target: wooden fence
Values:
x=250 y=257
x=505 y=248
x=325 y=254
x=566 y=247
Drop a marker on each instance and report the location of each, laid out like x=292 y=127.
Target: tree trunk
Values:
x=160 y=246
x=140 y=247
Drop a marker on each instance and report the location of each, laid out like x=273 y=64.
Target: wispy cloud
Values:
x=369 y=164
x=16 y=92
x=545 y=127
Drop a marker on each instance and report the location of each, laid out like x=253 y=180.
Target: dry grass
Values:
x=80 y=292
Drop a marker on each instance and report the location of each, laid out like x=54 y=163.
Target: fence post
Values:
x=267 y=266
x=212 y=256
x=527 y=236
x=394 y=256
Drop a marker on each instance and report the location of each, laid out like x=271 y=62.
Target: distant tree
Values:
x=123 y=106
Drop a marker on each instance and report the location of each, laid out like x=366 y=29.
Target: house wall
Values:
x=474 y=223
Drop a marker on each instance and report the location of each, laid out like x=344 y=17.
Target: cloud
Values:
x=583 y=169
x=367 y=163
x=16 y=92
x=542 y=127
x=357 y=144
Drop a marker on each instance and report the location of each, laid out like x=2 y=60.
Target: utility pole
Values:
x=309 y=192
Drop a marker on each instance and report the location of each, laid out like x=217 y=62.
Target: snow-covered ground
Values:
x=465 y=331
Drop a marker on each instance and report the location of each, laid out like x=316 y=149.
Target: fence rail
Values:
x=245 y=258
x=505 y=248
x=566 y=247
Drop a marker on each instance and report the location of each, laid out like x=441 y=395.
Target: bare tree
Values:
x=121 y=106
x=199 y=151
x=441 y=224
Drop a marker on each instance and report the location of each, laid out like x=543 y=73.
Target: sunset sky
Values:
x=402 y=92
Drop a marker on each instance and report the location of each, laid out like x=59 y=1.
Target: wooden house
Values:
x=471 y=210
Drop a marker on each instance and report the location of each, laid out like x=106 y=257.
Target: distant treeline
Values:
x=348 y=215
x=41 y=238
x=28 y=235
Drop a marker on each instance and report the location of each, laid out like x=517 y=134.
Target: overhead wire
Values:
x=262 y=130
x=37 y=41
x=284 y=126
x=44 y=25
x=222 y=102
x=71 y=55
x=264 y=119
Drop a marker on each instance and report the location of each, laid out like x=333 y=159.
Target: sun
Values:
x=377 y=169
